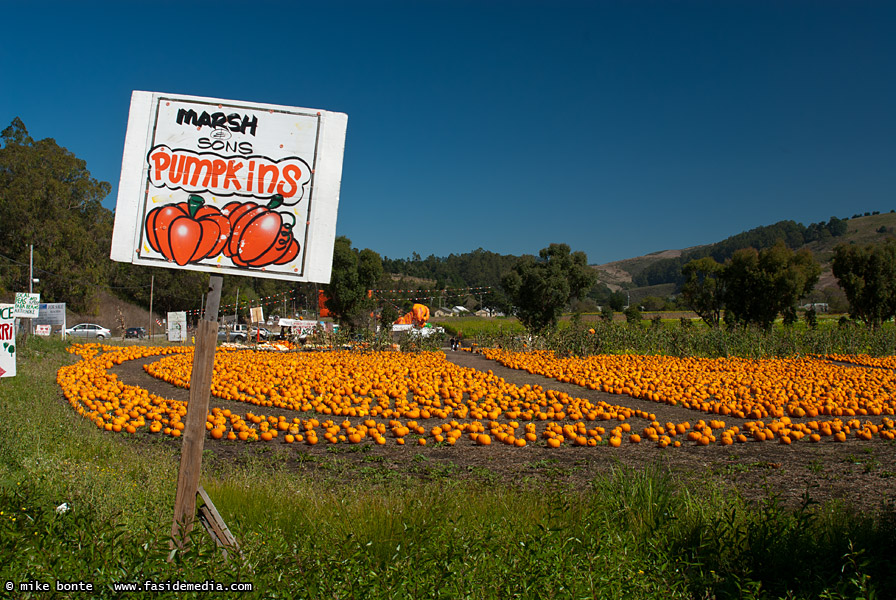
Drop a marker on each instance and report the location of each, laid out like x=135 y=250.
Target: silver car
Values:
x=235 y=334
x=89 y=330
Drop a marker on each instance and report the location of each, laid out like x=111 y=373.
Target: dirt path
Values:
x=662 y=412
x=862 y=474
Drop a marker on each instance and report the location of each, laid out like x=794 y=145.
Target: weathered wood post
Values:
x=197 y=412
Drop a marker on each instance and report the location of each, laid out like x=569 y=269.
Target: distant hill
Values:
x=660 y=269
x=618 y=274
x=658 y=273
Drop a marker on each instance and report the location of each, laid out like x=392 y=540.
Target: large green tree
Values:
x=50 y=201
x=540 y=288
x=761 y=284
x=867 y=275
x=354 y=273
x=704 y=289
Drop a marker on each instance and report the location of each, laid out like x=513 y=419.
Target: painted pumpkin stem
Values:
x=275 y=201
x=194 y=203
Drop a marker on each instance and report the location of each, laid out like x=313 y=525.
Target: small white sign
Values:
x=7 y=341
x=43 y=330
x=229 y=187
x=256 y=314
x=177 y=326
x=26 y=306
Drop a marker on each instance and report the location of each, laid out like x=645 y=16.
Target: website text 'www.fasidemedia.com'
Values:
x=209 y=585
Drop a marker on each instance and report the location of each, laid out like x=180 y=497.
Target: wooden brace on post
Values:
x=215 y=525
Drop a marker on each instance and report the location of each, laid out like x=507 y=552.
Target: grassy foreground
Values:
x=630 y=534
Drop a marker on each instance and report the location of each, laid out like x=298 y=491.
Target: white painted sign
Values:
x=229 y=187
x=177 y=326
x=7 y=341
x=256 y=314
x=43 y=330
x=26 y=305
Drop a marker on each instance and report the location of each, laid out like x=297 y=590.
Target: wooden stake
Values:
x=197 y=413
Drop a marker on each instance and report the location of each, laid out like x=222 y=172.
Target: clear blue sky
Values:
x=620 y=128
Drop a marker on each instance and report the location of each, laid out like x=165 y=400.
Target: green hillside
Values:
x=629 y=274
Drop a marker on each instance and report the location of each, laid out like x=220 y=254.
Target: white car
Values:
x=89 y=330
x=262 y=333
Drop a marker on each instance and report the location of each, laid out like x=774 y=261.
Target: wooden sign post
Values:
x=197 y=413
x=197 y=166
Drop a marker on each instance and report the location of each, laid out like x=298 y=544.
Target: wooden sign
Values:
x=229 y=187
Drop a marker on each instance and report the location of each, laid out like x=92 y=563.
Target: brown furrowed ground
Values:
x=861 y=474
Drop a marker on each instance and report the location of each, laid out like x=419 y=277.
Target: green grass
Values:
x=474 y=327
x=633 y=533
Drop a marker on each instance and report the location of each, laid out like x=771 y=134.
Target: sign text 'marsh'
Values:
x=234 y=121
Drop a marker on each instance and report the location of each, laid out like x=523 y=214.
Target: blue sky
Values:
x=619 y=128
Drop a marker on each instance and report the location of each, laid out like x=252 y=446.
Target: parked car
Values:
x=262 y=333
x=89 y=330
x=135 y=332
x=238 y=333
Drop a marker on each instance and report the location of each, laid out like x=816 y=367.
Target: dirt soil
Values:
x=862 y=474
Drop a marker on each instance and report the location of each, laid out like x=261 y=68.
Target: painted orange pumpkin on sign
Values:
x=187 y=232
x=260 y=235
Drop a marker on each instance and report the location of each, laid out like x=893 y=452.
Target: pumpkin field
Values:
x=476 y=473
x=376 y=396
x=596 y=408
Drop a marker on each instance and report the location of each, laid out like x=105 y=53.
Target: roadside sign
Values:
x=229 y=187
x=43 y=330
x=302 y=327
x=177 y=326
x=51 y=314
x=7 y=341
x=256 y=314
x=26 y=305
